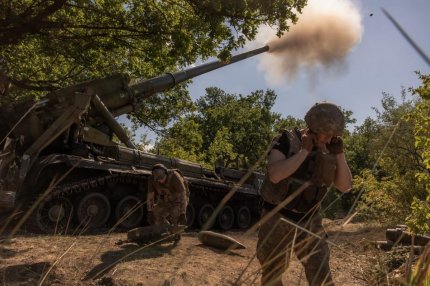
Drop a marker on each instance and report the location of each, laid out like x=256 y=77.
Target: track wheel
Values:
x=243 y=217
x=129 y=212
x=54 y=215
x=205 y=214
x=191 y=215
x=226 y=218
x=93 y=210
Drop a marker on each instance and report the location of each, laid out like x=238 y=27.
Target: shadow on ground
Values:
x=129 y=252
x=26 y=274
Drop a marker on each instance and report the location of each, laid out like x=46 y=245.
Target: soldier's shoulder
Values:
x=176 y=174
x=283 y=136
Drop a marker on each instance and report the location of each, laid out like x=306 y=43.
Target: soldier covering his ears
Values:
x=301 y=166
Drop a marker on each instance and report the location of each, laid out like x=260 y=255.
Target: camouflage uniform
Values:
x=277 y=238
x=171 y=198
x=276 y=242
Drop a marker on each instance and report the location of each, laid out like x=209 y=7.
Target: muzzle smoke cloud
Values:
x=324 y=34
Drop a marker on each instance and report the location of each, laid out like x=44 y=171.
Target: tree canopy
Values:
x=49 y=44
x=223 y=125
x=386 y=160
x=419 y=220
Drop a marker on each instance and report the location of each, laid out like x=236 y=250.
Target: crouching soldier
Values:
x=167 y=197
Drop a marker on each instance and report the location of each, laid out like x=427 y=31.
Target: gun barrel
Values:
x=160 y=83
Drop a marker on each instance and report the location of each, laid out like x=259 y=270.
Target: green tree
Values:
x=248 y=119
x=289 y=123
x=401 y=158
x=358 y=146
x=48 y=44
x=419 y=219
x=182 y=140
x=378 y=201
x=360 y=154
x=386 y=159
x=221 y=147
x=230 y=126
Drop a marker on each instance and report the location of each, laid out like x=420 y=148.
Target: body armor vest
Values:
x=319 y=168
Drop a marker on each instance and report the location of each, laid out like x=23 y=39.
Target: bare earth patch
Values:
x=97 y=260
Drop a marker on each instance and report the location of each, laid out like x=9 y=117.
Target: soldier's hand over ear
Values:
x=182 y=219
x=308 y=140
x=336 y=145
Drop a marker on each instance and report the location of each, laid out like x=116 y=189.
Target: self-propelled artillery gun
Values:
x=60 y=165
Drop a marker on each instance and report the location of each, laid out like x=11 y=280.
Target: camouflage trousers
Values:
x=277 y=240
x=167 y=213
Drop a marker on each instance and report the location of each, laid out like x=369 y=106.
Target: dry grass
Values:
x=97 y=260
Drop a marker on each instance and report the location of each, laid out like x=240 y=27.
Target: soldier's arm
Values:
x=343 y=179
x=150 y=197
x=183 y=208
x=279 y=167
x=179 y=189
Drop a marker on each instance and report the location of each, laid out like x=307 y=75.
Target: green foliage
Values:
x=144 y=143
x=424 y=90
x=48 y=44
x=359 y=146
x=386 y=148
x=162 y=108
x=396 y=138
x=221 y=147
x=248 y=119
x=421 y=117
x=389 y=158
x=379 y=200
x=333 y=204
x=419 y=219
x=230 y=126
x=289 y=123
x=183 y=140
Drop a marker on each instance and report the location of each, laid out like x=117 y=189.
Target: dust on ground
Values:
x=98 y=260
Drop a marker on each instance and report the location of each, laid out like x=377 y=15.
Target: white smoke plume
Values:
x=325 y=33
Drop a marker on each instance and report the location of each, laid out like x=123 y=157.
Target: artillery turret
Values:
x=58 y=157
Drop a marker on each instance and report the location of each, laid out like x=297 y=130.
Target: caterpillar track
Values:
x=117 y=202
x=91 y=204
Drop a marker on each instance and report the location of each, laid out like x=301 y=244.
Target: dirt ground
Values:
x=97 y=260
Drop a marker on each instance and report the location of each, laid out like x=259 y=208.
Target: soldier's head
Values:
x=159 y=173
x=326 y=120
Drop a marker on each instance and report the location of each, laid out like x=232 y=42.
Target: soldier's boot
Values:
x=177 y=237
